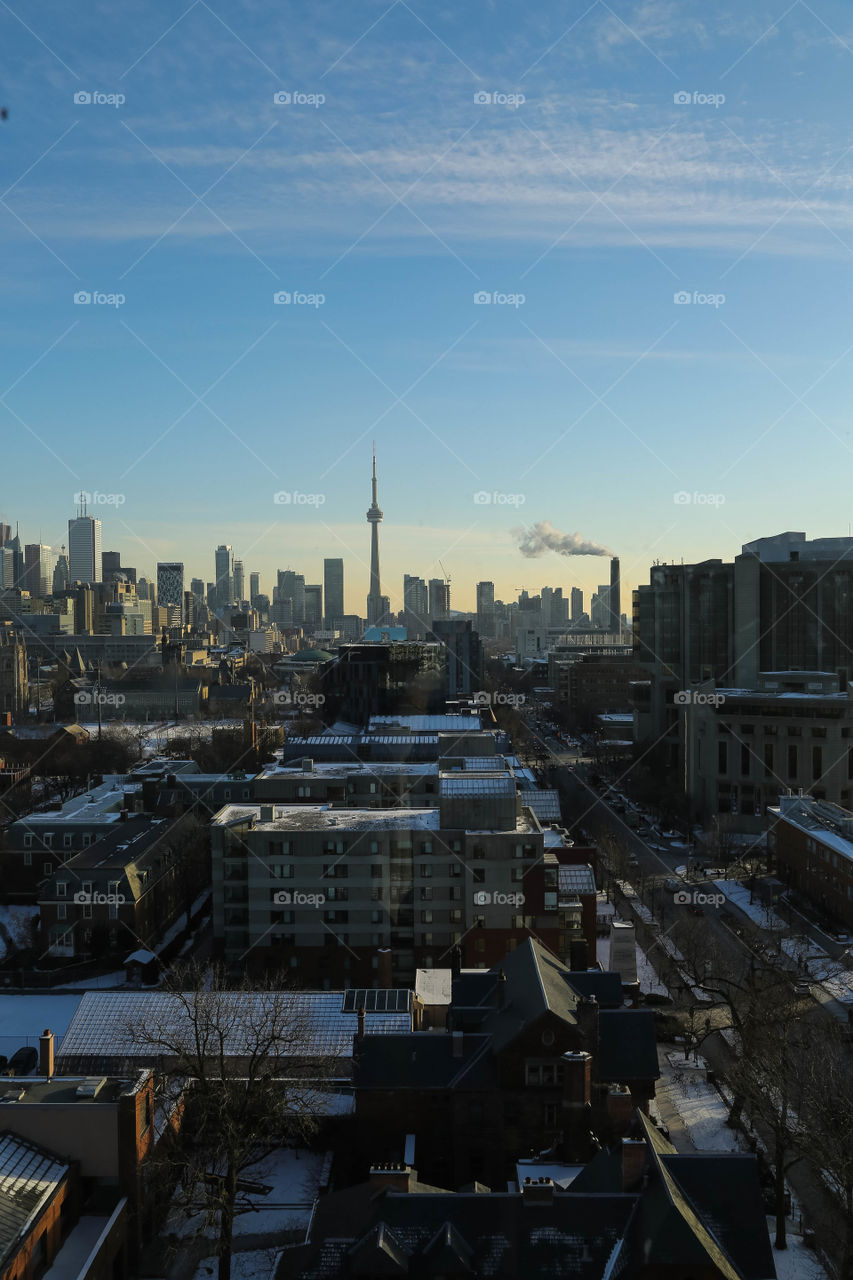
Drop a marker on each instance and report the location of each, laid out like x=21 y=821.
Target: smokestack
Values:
x=615 y=598
x=384 y=971
x=456 y=961
x=46 y=1053
x=633 y=1163
x=361 y=1021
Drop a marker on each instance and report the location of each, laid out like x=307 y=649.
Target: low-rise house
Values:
x=638 y=1209
x=126 y=889
x=536 y=1056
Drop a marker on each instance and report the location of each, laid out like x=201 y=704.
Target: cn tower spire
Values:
x=376 y=606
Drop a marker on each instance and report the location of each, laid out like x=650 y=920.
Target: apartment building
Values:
x=812 y=843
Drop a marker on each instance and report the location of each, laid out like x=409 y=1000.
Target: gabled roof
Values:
x=606 y=987
x=29 y=1178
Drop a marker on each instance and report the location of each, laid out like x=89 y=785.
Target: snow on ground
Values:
x=24 y=1017
x=257 y=1264
x=739 y=896
x=796 y=1262
x=16 y=921
x=293 y=1178
x=703 y=1112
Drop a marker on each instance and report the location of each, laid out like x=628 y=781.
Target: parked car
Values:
x=802 y=988
x=23 y=1061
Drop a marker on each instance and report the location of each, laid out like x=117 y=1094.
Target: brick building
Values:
x=812 y=844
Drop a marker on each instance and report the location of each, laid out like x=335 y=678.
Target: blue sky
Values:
x=596 y=199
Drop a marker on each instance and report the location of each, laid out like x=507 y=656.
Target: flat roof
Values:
x=98 y=804
x=315 y=817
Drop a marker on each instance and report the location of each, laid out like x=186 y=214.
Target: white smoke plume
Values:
x=542 y=537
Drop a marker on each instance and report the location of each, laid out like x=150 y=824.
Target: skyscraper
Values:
x=170 y=585
x=313 y=596
x=486 y=609
x=333 y=590
x=38 y=569
x=239 y=581
x=577 y=604
x=377 y=605
x=415 y=606
x=224 y=585
x=254 y=588
x=439 y=598
x=614 y=599
x=84 y=548
x=60 y=572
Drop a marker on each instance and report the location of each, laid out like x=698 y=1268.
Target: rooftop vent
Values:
x=91 y=1087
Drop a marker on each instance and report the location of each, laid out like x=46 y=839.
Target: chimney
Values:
x=392 y=1177
x=633 y=1163
x=501 y=988
x=307 y=765
x=620 y=1107
x=46 y=1053
x=267 y=813
x=586 y=1013
x=122 y=815
x=457 y=1043
x=456 y=961
x=361 y=1021
x=383 y=969
x=537 y=1192
x=577 y=1079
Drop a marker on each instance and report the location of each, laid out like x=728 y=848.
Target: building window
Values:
x=426 y=871
x=28 y=859
x=67 y=841
x=744 y=760
x=768 y=759
x=793 y=764
x=426 y=893
x=817 y=763
x=426 y=847
x=61 y=888
x=46 y=868
x=61 y=911
x=426 y=917
x=376 y=870
x=28 y=841
x=87 y=911
x=517 y=874
x=549 y=1115
x=375 y=895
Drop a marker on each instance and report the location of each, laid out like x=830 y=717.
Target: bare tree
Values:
x=827 y=1119
x=241 y=1066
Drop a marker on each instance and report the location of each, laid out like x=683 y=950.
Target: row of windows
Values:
x=340 y=871
x=279 y=848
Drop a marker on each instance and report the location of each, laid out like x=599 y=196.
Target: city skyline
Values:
x=546 y=267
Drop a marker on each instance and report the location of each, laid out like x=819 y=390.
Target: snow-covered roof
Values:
x=433 y=985
x=316 y=817
x=429 y=724
x=104 y=1023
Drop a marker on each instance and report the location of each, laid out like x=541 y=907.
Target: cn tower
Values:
x=377 y=606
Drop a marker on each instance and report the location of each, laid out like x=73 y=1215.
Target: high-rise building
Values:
x=224 y=583
x=254 y=588
x=85 y=562
x=378 y=606
x=239 y=582
x=5 y=533
x=600 y=607
x=333 y=590
x=170 y=586
x=463 y=655
x=38 y=569
x=61 y=574
x=290 y=587
x=415 y=606
x=439 y=599
x=197 y=588
x=577 y=604
x=313 y=597
x=615 y=598
x=486 y=609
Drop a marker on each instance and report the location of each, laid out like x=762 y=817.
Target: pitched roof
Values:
x=29 y=1178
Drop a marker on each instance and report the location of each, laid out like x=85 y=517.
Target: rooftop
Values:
x=29 y=1177
x=103 y=1029
x=99 y=804
x=826 y=822
x=316 y=817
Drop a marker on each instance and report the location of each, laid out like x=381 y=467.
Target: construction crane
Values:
x=444 y=571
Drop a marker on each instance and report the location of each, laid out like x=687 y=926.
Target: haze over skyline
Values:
x=666 y=282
